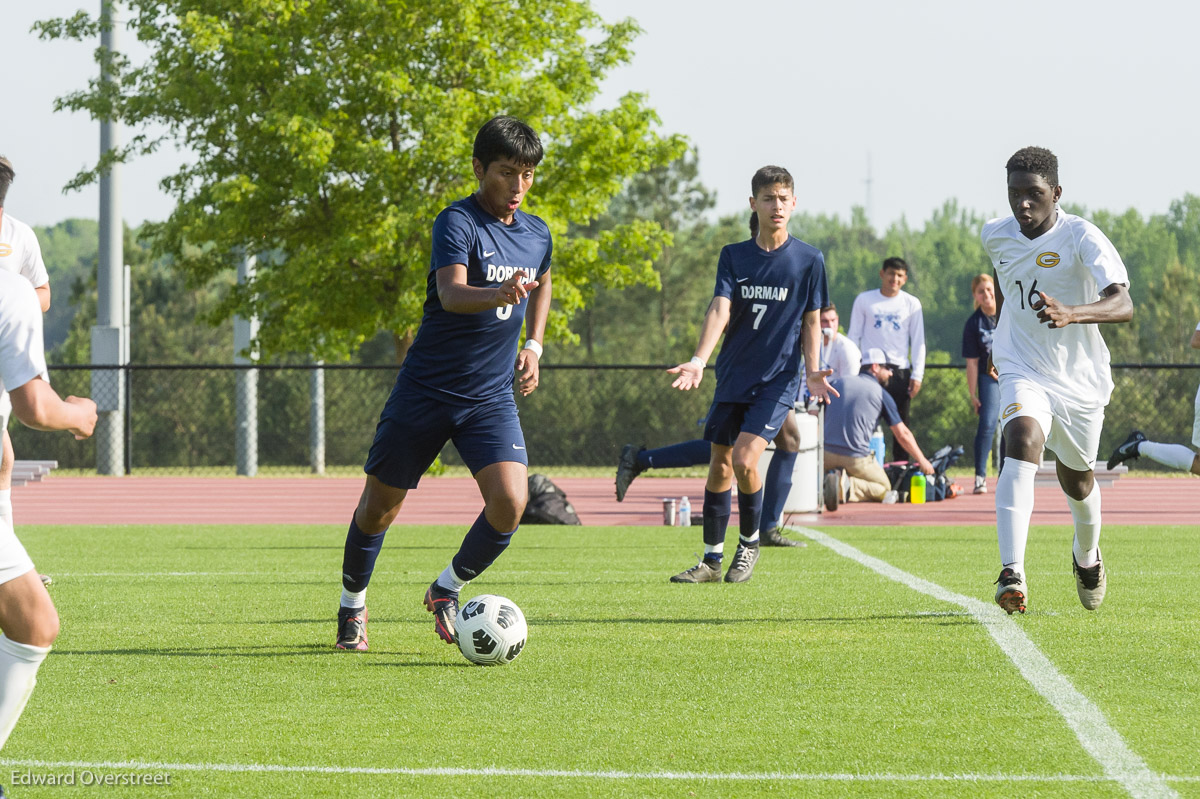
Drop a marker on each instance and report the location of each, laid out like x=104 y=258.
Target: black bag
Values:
x=937 y=486
x=547 y=503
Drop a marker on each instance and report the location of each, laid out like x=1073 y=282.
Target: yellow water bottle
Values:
x=916 y=489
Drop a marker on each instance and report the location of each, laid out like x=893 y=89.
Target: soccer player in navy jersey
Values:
x=489 y=273
x=769 y=293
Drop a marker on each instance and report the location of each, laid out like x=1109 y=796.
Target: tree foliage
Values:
x=333 y=131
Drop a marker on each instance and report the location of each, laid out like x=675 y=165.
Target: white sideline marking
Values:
x=770 y=776
x=1100 y=740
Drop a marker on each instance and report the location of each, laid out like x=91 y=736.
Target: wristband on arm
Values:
x=532 y=344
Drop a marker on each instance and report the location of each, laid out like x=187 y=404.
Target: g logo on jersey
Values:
x=1048 y=259
x=1010 y=410
x=5 y=250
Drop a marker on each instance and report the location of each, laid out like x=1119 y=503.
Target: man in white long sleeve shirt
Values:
x=890 y=319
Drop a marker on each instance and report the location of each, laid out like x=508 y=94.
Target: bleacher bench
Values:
x=1048 y=473
x=30 y=471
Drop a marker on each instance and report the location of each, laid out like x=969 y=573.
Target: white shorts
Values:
x=14 y=561
x=1072 y=431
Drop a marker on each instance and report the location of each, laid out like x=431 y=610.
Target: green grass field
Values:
x=208 y=651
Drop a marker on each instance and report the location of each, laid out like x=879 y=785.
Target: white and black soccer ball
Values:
x=491 y=630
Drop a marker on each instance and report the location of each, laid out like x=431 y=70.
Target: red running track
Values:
x=313 y=500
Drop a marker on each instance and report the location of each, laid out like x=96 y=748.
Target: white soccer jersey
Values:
x=22 y=356
x=20 y=252
x=895 y=325
x=1072 y=262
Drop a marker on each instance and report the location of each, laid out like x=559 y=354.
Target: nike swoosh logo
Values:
x=489 y=254
x=1002 y=263
x=769 y=427
x=742 y=279
x=516 y=447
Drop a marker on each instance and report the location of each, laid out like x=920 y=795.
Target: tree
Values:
x=333 y=131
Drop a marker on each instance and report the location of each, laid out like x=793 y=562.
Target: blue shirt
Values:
x=769 y=293
x=977 y=335
x=467 y=358
x=850 y=419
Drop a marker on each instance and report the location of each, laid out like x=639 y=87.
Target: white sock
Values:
x=1176 y=456
x=1014 y=506
x=451 y=581
x=1086 y=513
x=18 y=674
x=354 y=599
x=716 y=550
x=6 y=505
x=749 y=540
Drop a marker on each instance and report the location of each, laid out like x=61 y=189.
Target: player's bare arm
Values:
x=810 y=339
x=529 y=360
x=715 y=320
x=458 y=297
x=43 y=295
x=1114 y=306
x=1196 y=339
x=38 y=406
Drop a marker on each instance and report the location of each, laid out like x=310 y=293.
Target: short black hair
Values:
x=1037 y=160
x=6 y=178
x=829 y=307
x=767 y=176
x=507 y=137
x=897 y=263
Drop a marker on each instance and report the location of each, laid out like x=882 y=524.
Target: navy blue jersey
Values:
x=769 y=293
x=468 y=358
x=977 y=335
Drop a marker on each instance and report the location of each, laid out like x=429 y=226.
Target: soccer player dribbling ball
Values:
x=28 y=618
x=1057 y=278
x=489 y=272
x=769 y=293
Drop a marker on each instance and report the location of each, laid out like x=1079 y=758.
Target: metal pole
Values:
x=316 y=418
x=246 y=398
x=107 y=341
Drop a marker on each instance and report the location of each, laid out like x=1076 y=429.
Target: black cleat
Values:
x=706 y=571
x=627 y=469
x=443 y=604
x=352 y=629
x=1128 y=450
x=772 y=538
x=743 y=564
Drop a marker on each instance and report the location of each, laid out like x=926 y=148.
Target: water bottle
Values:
x=916 y=489
x=685 y=513
x=877 y=444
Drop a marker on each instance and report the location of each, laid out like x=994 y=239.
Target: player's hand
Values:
x=690 y=375
x=528 y=366
x=914 y=388
x=86 y=417
x=513 y=290
x=818 y=385
x=976 y=405
x=1053 y=311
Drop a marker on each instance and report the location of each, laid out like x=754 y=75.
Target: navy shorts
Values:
x=761 y=418
x=414 y=427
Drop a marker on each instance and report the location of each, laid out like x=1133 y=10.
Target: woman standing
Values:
x=983 y=387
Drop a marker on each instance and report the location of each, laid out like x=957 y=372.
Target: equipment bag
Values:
x=547 y=503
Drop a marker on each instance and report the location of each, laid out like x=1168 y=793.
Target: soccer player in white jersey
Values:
x=19 y=253
x=1177 y=456
x=1057 y=277
x=28 y=619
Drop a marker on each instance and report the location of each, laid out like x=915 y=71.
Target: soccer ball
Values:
x=491 y=630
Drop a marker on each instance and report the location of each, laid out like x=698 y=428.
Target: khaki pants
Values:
x=868 y=481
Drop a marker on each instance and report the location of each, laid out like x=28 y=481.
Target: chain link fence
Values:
x=183 y=420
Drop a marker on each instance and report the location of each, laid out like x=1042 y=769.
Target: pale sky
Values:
x=937 y=93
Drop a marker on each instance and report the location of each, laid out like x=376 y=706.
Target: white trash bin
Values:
x=806 y=477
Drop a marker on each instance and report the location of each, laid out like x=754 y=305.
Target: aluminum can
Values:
x=670 y=508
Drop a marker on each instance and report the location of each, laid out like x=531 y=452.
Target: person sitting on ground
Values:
x=1177 y=456
x=853 y=473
